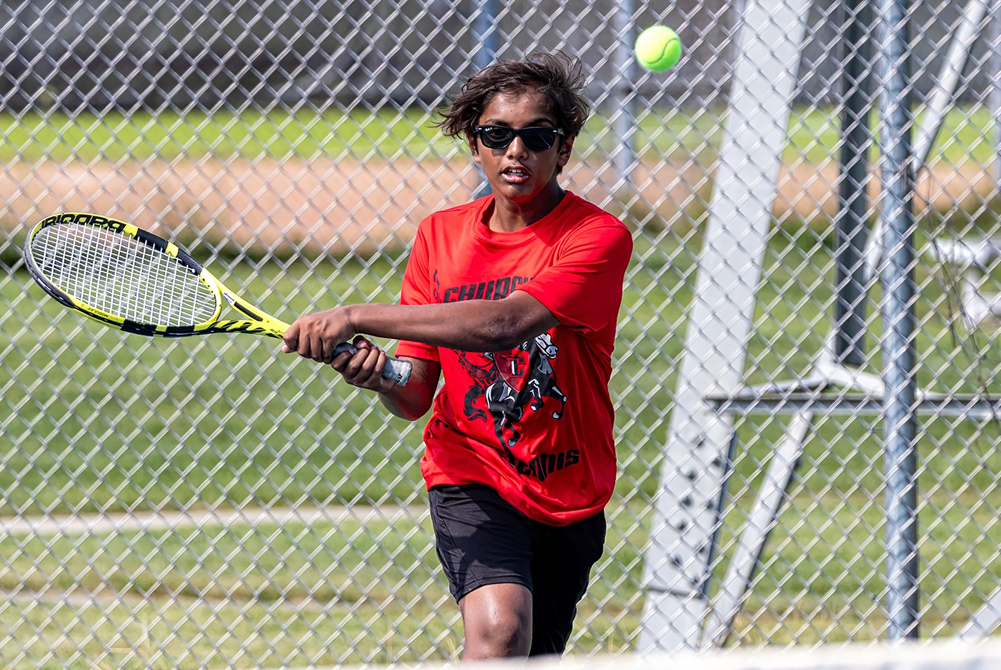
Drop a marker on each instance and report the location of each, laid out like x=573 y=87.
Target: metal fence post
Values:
x=486 y=30
x=994 y=99
x=900 y=420
x=624 y=98
x=851 y=282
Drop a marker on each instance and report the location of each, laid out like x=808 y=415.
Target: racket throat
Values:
x=251 y=327
x=259 y=323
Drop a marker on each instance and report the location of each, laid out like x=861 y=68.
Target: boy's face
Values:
x=517 y=172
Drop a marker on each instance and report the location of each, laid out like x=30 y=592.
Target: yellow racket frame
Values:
x=257 y=321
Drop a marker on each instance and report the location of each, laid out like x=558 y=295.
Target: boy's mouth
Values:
x=515 y=175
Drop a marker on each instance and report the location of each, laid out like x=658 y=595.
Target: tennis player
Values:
x=513 y=298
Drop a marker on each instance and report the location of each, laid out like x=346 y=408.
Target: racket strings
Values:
x=123 y=276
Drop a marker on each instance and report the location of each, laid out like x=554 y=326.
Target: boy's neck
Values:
x=508 y=216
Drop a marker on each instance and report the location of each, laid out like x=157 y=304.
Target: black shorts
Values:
x=481 y=539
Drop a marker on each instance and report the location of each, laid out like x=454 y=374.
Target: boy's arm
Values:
x=413 y=401
x=474 y=325
x=364 y=370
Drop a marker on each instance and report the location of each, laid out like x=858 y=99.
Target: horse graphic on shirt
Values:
x=509 y=381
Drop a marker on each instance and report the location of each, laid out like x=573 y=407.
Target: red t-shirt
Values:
x=535 y=422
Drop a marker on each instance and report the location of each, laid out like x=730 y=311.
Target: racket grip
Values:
x=396 y=371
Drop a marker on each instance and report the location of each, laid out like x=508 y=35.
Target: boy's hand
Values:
x=364 y=367
x=315 y=336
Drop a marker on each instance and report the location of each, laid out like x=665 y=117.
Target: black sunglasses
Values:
x=536 y=138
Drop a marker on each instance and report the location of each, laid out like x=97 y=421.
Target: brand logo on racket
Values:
x=86 y=219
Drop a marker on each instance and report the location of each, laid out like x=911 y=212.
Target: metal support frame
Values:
x=685 y=519
x=854 y=404
x=972 y=255
x=938 y=102
x=948 y=78
x=975 y=255
x=803 y=398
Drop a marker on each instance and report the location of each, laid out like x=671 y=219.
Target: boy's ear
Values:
x=566 y=149
x=473 y=147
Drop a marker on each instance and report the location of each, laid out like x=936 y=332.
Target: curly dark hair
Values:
x=557 y=76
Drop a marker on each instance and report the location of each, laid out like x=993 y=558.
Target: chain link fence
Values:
x=208 y=502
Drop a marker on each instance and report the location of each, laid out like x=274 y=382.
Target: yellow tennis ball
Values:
x=658 y=48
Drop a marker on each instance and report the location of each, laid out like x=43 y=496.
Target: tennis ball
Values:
x=658 y=48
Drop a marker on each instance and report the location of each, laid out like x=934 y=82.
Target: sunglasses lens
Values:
x=538 y=139
x=496 y=137
x=535 y=139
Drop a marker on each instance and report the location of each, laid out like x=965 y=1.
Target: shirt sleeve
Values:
x=583 y=288
x=417 y=290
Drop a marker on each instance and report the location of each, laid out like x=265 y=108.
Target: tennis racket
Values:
x=127 y=278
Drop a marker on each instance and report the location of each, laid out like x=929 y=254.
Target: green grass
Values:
x=814 y=135
x=216 y=586
x=676 y=134
x=293 y=594
x=172 y=135
x=93 y=421
x=144 y=423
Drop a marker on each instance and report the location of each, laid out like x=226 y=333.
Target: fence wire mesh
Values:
x=207 y=502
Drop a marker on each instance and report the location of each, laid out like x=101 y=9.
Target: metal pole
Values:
x=851 y=280
x=486 y=33
x=941 y=98
x=624 y=96
x=900 y=419
x=485 y=29
x=995 y=96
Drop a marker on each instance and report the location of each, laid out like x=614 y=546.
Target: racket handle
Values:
x=396 y=371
